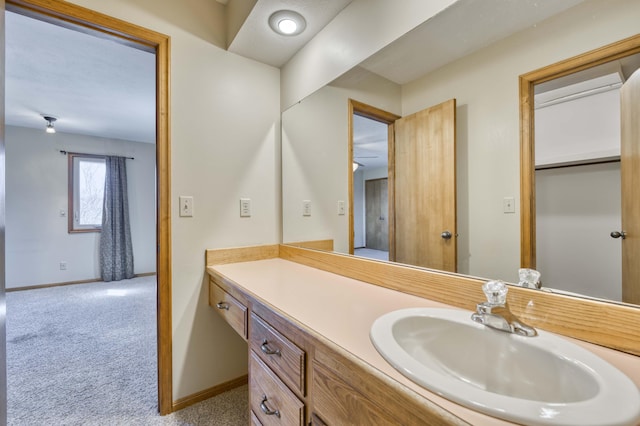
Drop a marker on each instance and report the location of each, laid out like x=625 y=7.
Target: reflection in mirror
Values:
x=484 y=81
x=580 y=164
x=370 y=188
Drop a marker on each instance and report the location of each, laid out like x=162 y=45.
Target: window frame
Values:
x=74 y=228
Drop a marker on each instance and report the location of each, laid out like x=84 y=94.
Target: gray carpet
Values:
x=85 y=354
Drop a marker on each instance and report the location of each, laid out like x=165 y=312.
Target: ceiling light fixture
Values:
x=287 y=22
x=50 y=120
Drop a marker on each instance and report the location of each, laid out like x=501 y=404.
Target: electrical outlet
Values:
x=341 y=208
x=508 y=205
x=245 y=207
x=63 y=265
x=306 y=208
x=186 y=206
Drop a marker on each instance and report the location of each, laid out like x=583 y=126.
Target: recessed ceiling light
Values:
x=287 y=22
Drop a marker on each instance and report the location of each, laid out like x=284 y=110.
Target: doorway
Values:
x=371 y=160
x=85 y=20
x=370 y=177
x=597 y=74
x=421 y=183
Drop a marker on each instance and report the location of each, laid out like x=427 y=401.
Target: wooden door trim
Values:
x=629 y=164
x=101 y=25
x=610 y=52
x=368 y=111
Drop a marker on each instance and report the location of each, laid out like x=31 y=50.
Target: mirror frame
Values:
x=620 y=49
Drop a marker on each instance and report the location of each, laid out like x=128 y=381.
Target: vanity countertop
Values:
x=342 y=310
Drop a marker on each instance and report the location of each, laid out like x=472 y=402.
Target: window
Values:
x=86 y=192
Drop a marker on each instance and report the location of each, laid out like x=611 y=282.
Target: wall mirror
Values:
x=321 y=189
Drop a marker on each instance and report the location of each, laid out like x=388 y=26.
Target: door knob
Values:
x=446 y=235
x=616 y=234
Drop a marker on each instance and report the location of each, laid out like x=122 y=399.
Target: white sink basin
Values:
x=542 y=380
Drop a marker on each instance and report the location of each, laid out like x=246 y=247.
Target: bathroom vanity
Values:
x=311 y=360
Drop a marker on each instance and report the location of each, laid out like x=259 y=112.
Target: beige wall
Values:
x=485 y=85
x=224 y=145
x=315 y=159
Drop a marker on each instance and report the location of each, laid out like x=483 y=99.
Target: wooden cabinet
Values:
x=276 y=375
x=269 y=399
x=297 y=377
x=234 y=312
x=254 y=419
x=278 y=352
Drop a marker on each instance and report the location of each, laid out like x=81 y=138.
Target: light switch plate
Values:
x=245 y=207
x=306 y=207
x=509 y=205
x=186 y=206
x=341 y=208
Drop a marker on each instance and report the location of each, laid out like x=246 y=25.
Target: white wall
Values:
x=485 y=85
x=37 y=237
x=315 y=158
x=225 y=121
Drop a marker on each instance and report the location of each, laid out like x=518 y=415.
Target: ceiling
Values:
x=461 y=29
x=98 y=87
x=369 y=142
x=257 y=41
x=91 y=85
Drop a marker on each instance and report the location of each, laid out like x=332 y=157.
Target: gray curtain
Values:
x=116 y=251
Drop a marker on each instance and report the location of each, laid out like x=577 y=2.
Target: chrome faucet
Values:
x=495 y=312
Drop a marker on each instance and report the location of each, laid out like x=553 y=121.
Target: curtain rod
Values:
x=62 y=151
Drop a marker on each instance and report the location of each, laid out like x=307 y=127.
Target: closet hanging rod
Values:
x=576 y=164
x=62 y=151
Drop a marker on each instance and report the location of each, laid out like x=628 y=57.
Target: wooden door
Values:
x=377 y=210
x=425 y=188
x=630 y=180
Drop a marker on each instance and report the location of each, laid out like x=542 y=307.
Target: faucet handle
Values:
x=529 y=278
x=496 y=292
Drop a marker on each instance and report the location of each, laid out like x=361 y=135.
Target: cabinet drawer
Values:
x=278 y=352
x=269 y=399
x=254 y=420
x=234 y=312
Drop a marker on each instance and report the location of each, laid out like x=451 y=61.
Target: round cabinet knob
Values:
x=446 y=235
x=616 y=234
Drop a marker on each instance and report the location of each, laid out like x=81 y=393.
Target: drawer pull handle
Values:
x=267 y=350
x=222 y=305
x=267 y=410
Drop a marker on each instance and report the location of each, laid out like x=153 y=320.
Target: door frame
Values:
x=89 y=21
x=368 y=111
x=620 y=49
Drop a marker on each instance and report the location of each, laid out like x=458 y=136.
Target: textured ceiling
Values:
x=461 y=29
x=92 y=85
x=256 y=40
